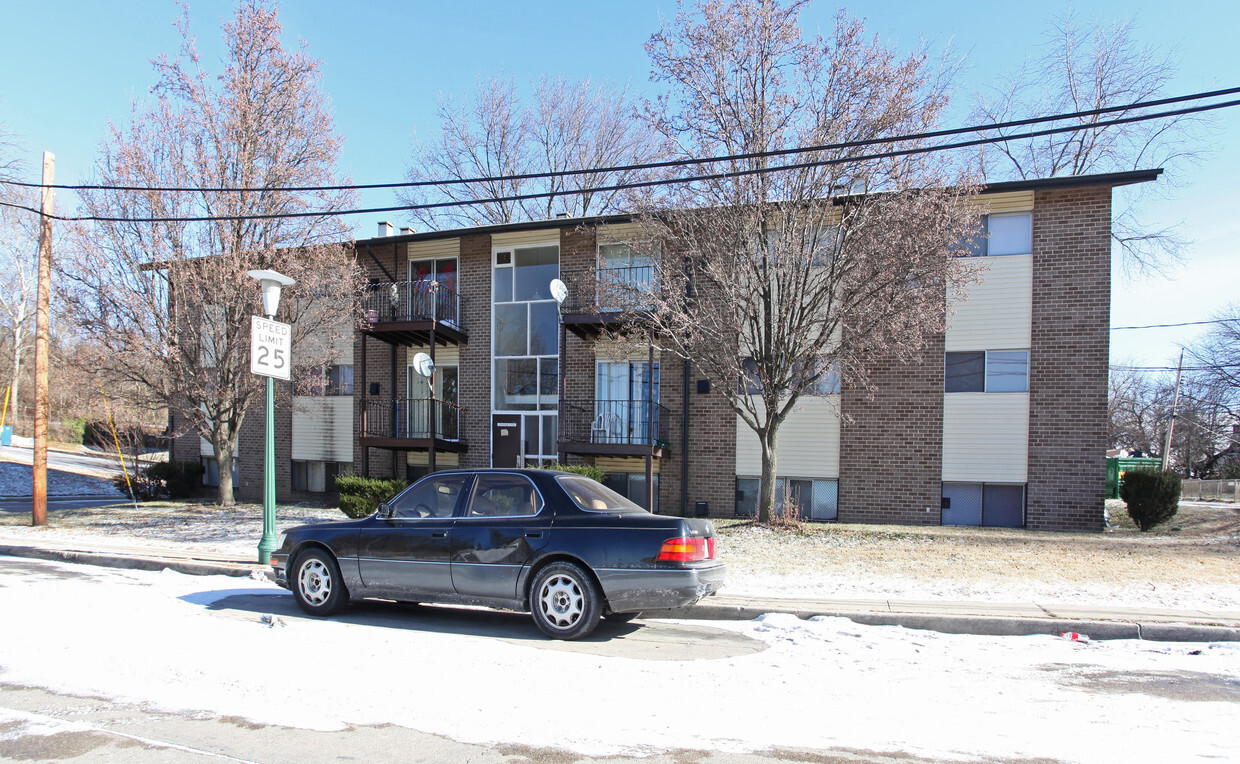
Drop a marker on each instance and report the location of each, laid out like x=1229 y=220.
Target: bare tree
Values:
x=796 y=277
x=19 y=265
x=167 y=305
x=1138 y=405
x=1093 y=66
x=570 y=125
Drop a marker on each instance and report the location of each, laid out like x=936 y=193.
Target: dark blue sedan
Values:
x=561 y=546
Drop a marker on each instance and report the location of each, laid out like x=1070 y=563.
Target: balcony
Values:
x=413 y=313
x=412 y=424
x=605 y=296
x=617 y=428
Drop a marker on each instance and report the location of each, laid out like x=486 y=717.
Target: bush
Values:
x=163 y=480
x=1152 y=496
x=361 y=496
x=589 y=470
x=180 y=479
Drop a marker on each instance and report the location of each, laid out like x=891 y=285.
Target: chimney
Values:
x=385 y=228
x=406 y=230
x=561 y=215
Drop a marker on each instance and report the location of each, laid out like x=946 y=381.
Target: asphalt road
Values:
x=24 y=505
x=63 y=460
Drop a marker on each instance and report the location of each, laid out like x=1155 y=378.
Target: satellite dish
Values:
x=559 y=290
x=423 y=364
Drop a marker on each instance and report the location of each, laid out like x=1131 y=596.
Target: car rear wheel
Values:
x=621 y=617
x=564 y=601
x=317 y=585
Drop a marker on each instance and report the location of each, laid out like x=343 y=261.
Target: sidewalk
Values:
x=982 y=618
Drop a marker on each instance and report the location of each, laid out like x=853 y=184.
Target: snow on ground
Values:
x=16 y=479
x=175 y=642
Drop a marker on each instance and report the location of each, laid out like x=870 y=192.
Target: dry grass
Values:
x=1198 y=549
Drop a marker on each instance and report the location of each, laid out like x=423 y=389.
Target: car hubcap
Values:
x=315 y=582
x=562 y=601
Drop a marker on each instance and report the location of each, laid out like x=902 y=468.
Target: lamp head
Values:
x=272 y=282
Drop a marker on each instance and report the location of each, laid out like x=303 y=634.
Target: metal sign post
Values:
x=271 y=357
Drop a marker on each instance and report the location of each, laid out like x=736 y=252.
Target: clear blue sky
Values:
x=69 y=66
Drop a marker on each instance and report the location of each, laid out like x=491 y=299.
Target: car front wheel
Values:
x=564 y=601
x=317 y=585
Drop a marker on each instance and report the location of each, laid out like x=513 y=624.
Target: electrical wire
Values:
x=670 y=163
x=647 y=183
x=1172 y=326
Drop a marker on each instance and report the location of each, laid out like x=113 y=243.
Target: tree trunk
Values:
x=224 y=460
x=15 y=384
x=766 y=494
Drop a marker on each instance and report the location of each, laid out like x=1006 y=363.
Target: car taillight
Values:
x=685 y=549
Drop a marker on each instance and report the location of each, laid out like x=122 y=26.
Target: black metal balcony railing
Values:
x=408 y=301
x=411 y=418
x=609 y=290
x=614 y=423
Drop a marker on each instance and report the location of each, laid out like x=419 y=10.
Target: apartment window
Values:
x=316 y=476
x=987 y=371
x=814 y=499
x=325 y=380
x=1008 y=233
x=622 y=411
x=826 y=384
x=211 y=471
x=633 y=488
x=625 y=275
x=996 y=505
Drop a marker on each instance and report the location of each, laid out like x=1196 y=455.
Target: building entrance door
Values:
x=505 y=440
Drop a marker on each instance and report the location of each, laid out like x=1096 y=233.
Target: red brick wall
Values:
x=1068 y=359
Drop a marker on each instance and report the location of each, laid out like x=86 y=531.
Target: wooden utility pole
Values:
x=42 y=344
x=1175 y=403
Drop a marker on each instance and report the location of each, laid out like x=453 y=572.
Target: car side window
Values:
x=504 y=496
x=431 y=497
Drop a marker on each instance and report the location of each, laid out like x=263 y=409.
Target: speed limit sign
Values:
x=270 y=348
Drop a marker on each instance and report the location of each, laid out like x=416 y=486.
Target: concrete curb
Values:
x=980 y=625
x=189 y=566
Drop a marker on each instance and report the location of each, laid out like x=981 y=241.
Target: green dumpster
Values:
x=1116 y=467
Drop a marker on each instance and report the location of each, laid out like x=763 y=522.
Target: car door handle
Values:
x=439 y=535
x=537 y=535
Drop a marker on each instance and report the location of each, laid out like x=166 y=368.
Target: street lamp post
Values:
x=271 y=282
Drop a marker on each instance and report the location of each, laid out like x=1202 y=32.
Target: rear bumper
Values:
x=629 y=589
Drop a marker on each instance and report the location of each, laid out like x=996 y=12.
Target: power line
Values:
x=678 y=162
x=1172 y=326
x=648 y=183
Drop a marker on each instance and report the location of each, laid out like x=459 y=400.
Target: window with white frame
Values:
x=986 y=371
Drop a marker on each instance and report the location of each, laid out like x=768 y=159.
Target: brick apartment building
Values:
x=1003 y=424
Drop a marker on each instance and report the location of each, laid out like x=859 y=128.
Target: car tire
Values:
x=564 y=601
x=317 y=584
x=621 y=617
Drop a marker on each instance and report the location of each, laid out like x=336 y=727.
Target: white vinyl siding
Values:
x=548 y=236
x=985 y=437
x=425 y=250
x=1008 y=201
x=322 y=429
x=809 y=442
x=444 y=356
x=443 y=459
x=621 y=465
x=618 y=232
x=998 y=311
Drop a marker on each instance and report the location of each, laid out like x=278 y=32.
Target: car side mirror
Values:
x=385 y=510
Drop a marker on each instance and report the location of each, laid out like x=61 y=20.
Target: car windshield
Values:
x=593 y=496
